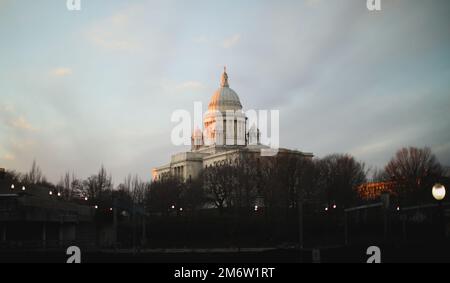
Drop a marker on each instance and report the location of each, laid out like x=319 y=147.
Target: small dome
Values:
x=224 y=98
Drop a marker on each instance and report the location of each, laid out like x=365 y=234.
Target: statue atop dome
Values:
x=224 y=78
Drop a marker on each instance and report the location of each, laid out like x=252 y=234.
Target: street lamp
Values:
x=438 y=192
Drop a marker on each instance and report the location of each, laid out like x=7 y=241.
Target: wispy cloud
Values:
x=109 y=40
x=61 y=71
x=343 y=78
x=228 y=42
x=231 y=41
x=190 y=85
x=202 y=39
x=11 y=119
x=22 y=123
x=115 y=32
x=8 y=157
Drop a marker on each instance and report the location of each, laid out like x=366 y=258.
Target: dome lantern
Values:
x=224 y=98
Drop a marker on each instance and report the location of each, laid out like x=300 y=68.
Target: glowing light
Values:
x=173 y=206
x=23 y=188
x=398 y=208
x=50 y=193
x=12 y=187
x=59 y=194
x=326 y=208
x=334 y=206
x=85 y=198
x=256 y=208
x=181 y=209
x=110 y=209
x=438 y=192
x=96 y=206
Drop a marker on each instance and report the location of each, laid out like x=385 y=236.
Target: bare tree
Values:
x=163 y=194
x=139 y=190
x=220 y=184
x=339 y=177
x=70 y=187
x=13 y=176
x=414 y=170
x=192 y=195
x=34 y=176
x=248 y=182
x=96 y=185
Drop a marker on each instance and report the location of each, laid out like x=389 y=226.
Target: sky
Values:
x=98 y=86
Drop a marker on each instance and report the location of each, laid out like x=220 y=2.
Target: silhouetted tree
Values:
x=163 y=194
x=96 y=185
x=13 y=176
x=415 y=170
x=220 y=183
x=192 y=195
x=34 y=176
x=339 y=176
x=70 y=187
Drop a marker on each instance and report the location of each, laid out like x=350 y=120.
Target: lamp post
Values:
x=438 y=192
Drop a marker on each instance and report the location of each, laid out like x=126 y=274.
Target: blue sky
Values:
x=79 y=89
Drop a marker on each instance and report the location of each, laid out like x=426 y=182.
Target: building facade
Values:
x=226 y=137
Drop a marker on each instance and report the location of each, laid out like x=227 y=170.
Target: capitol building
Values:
x=226 y=137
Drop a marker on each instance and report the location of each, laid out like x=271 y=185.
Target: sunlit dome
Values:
x=224 y=98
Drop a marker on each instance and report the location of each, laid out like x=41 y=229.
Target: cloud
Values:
x=61 y=72
x=190 y=86
x=22 y=123
x=110 y=41
x=371 y=148
x=7 y=108
x=13 y=120
x=227 y=43
x=441 y=149
x=116 y=32
x=202 y=39
x=231 y=41
x=8 y=157
x=335 y=71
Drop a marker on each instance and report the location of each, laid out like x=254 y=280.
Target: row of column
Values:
x=178 y=171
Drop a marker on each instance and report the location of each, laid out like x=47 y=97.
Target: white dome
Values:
x=224 y=98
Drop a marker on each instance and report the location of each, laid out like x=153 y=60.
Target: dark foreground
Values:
x=432 y=252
